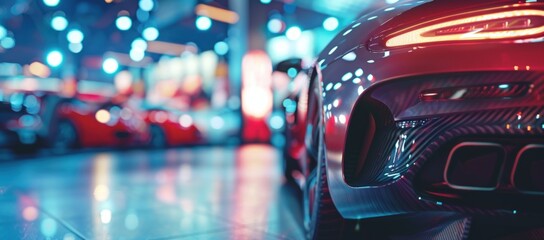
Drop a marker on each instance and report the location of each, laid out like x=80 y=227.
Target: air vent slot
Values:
x=504 y=90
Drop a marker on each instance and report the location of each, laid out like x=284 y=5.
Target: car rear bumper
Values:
x=412 y=161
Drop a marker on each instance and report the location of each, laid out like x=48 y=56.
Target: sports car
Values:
x=424 y=119
x=86 y=124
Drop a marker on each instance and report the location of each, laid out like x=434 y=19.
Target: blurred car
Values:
x=86 y=124
x=424 y=121
x=294 y=111
x=168 y=128
x=27 y=119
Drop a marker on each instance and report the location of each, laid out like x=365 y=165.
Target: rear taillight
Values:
x=513 y=24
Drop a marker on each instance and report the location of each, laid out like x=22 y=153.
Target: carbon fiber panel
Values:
x=420 y=128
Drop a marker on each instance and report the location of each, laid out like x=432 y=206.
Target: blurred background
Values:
x=155 y=73
x=82 y=79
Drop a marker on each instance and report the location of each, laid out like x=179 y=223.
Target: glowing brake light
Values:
x=502 y=25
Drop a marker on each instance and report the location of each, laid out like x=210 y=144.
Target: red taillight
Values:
x=502 y=25
x=516 y=23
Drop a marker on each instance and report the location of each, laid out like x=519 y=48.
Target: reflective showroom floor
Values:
x=190 y=193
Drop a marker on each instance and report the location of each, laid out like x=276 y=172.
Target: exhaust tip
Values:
x=475 y=166
x=527 y=175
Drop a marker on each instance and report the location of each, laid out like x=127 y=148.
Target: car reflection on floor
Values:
x=197 y=193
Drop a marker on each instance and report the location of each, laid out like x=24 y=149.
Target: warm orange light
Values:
x=123 y=81
x=39 y=69
x=165 y=88
x=420 y=35
x=102 y=116
x=101 y=192
x=192 y=84
x=218 y=14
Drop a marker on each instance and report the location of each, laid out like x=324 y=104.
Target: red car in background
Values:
x=168 y=128
x=89 y=124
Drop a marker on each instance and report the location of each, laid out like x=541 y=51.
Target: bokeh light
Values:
x=185 y=121
x=48 y=228
x=292 y=72
x=51 y=3
x=54 y=58
x=59 y=23
x=203 y=23
x=221 y=48
x=330 y=24
x=137 y=54
x=3 y=32
x=30 y=213
x=101 y=193
x=123 y=23
x=146 y=5
x=275 y=25
x=110 y=65
x=7 y=42
x=266 y=1
x=276 y=122
x=39 y=69
x=105 y=216
x=293 y=33
x=150 y=34
x=75 y=36
x=75 y=47
x=139 y=44
x=123 y=81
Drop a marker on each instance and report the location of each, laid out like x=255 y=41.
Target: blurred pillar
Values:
x=238 y=39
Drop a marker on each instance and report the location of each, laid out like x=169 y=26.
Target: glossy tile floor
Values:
x=191 y=193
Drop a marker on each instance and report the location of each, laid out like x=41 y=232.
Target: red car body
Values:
x=171 y=129
x=119 y=126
